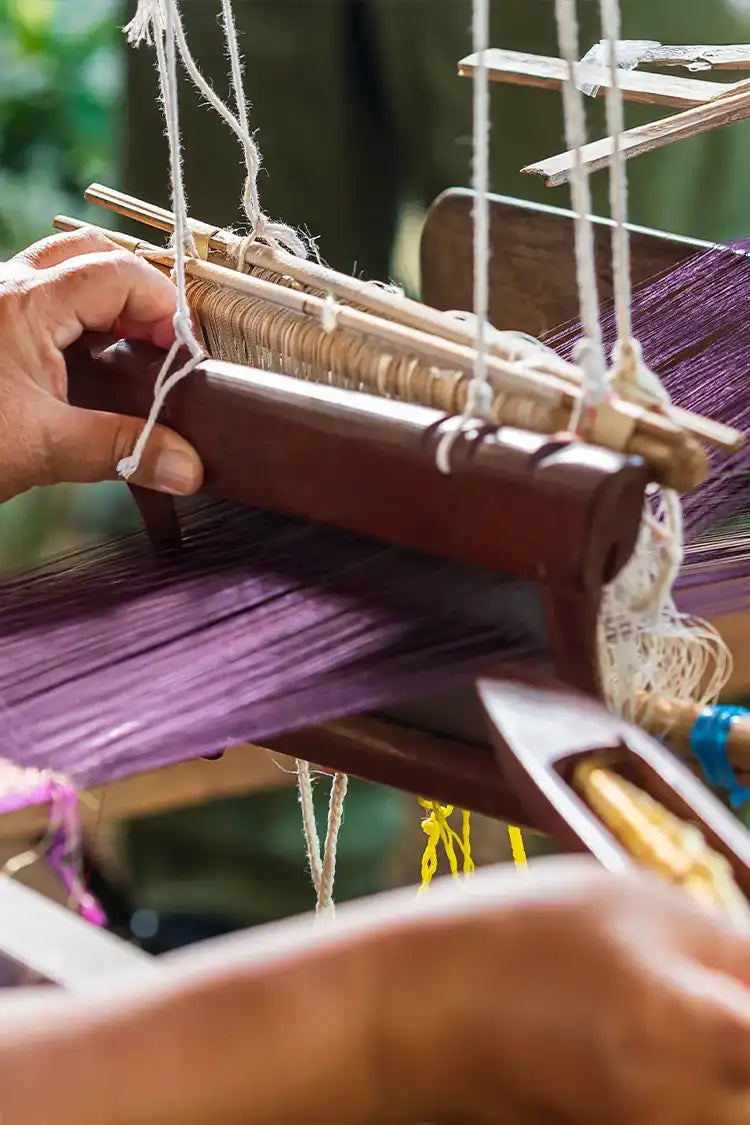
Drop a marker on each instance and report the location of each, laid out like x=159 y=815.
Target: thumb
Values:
x=87 y=445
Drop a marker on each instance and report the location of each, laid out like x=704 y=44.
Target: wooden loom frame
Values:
x=466 y=773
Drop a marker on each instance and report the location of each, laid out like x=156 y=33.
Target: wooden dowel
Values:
x=543 y=71
x=544 y=385
x=380 y=302
x=674 y=722
x=694 y=122
x=369 y=297
x=673 y=457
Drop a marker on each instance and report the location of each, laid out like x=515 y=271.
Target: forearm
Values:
x=376 y=1019
x=293 y=1024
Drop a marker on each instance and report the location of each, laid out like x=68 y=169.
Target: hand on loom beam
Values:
x=50 y=294
x=456 y=1007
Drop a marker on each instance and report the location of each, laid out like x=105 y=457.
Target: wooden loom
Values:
x=280 y=434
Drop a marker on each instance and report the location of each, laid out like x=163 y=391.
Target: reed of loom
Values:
x=390 y=345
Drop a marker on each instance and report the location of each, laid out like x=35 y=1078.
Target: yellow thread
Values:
x=466 y=842
x=516 y=846
x=438 y=831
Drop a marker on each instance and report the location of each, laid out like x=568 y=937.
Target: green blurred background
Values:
x=61 y=89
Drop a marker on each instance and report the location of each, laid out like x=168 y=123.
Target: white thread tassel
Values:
x=149 y=21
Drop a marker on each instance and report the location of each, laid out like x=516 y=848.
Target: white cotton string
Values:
x=646 y=644
x=322 y=869
x=160 y=16
x=479 y=397
x=309 y=827
x=618 y=177
x=150 y=19
x=276 y=235
x=339 y=788
x=591 y=351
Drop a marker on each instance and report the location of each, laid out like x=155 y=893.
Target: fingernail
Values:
x=176 y=472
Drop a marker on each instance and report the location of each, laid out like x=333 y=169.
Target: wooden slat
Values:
x=41 y=941
x=522 y=69
x=733 y=56
x=729 y=110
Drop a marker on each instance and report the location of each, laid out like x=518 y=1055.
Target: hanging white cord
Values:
x=479 y=401
x=479 y=396
x=618 y=178
x=322 y=869
x=590 y=353
x=645 y=642
x=276 y=235
x=159 y=15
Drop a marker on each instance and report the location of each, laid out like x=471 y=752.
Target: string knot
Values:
x=149 y=21
x=633 y=378
x=480 y=400
x=329 y=316
x=277 y=235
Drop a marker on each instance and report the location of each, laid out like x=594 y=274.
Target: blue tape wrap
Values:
x=709 y=740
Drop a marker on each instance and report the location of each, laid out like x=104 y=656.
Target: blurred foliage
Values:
x=61 y=82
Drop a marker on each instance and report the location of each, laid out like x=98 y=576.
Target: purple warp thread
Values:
x=64 y=848
x=694 y=326
x=113 y=661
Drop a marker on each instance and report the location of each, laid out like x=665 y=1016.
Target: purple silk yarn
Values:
x=694 y=327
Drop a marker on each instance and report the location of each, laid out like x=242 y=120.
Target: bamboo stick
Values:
x=369 y=297
x=557 y=170
x=674 y=721
x=381 y=303
x=673 y=456
x=522 y=69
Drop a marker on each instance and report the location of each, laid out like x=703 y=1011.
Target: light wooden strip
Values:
x=694 y=122
x=362 y=294
x=734 y=56
x=40 y=940
x=552 y=376
x=521 y=69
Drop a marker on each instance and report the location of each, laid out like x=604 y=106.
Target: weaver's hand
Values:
x=600 y=1000
x=49 y=295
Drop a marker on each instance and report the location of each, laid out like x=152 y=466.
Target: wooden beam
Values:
x=42 y=942
x=732 y=56
x=532 y=282
x=727 y=110
x=521 y=69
